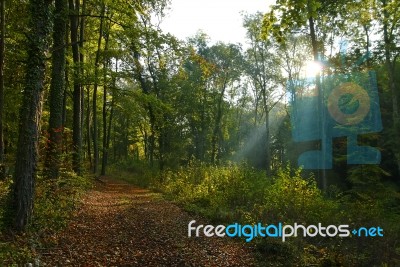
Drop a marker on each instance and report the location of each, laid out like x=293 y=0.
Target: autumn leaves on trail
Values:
x=122 y=225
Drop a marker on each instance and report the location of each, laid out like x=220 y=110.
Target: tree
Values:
x=227 y=60
x=262 y=67
x=95 y=86
x=390 y=22
x=313 y=16
x=2 y=42
x=30 y=113
x=57 y=88
x=151 y=72
x=77 y=93
x=196 y=99
x=106 y=130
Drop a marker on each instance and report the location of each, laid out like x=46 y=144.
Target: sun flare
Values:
x=312 y=68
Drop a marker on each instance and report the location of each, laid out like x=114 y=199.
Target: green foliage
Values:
x=291 y=198
x=15 y=253
x=239 y=193
x=55 y=201
x=242 y=192
x=5 y=187
x=174 y=101
x=134 y=172
x=222 y=193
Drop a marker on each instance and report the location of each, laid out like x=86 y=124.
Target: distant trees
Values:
x=227 y=61
x=262 y=67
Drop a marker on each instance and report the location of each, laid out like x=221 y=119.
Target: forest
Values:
x=112 y=129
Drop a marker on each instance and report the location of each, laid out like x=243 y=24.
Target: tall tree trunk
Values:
x=2 y=41
x=314 y=43
x=126 y=139
x=152 y=137
x=202 y=132
x=81 y=62
x=217 y=125
x=367 y=37
x=66 y=77
x=77 y=94
x=267 y=134
x=320 y=97
x=390 y=67
x=104 y=158
x=88 y=127
x=94 y=100
x=105 y=87
x=262 y=80
x=57 y=88
x=106 y=142
x=30 y=113
x=150 y=140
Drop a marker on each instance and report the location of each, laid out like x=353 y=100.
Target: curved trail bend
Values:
x=119 y=224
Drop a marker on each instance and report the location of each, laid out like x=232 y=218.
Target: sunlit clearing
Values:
x=312 y=68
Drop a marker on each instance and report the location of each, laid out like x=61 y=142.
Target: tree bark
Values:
x=30 y=113
x=77 y=94
x=66 y=77
x=267 y=135
x=2 y=42
x=94 y=100
x=82 y=59
x=390 y=67
x=105 y=87
x=88 y=128
x=150 y=143
x=320 y=97
x=57 y=88
x=81 y=62
x=107 y=139
x=217 y=125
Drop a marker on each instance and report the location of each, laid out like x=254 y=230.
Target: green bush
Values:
x=5 y=187
x=55 y=200
x=221 y=193
x=239 y=193
x=134 y=172
x=291 y=198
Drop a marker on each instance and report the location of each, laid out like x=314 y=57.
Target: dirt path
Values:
x=123 y=225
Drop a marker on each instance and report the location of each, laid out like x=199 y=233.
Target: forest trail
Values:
x=119 y=224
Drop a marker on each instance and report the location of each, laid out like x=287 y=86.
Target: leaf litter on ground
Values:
x=120 y=224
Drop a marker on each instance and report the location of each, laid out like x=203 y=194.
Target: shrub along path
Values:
x=119 y=224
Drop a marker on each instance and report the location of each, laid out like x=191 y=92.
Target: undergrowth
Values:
x=55 y=201
x=134 y=172
x=239 y=193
